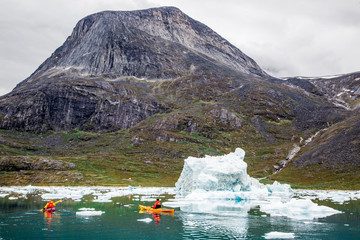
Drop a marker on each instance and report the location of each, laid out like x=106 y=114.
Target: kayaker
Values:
x=157 y=204
x=50 y=206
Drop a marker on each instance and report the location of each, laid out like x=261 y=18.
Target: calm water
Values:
x=21 y=219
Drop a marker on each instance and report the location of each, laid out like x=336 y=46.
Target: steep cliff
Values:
x=159 y=43
x=100 y=78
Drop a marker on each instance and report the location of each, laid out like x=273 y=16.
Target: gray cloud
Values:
x=285 y=38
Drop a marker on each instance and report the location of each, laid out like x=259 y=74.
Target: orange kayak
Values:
x=156 y=210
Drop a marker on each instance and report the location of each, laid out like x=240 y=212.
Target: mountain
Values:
x=69 y=91
x=159 y=43
x=139 y=91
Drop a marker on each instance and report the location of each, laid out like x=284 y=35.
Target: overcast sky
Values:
x=285 y=37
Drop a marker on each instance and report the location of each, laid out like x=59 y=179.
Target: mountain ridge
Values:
x=106 y=43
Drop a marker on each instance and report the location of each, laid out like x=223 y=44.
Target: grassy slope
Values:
x=313 y=177
x=115 y=159
x=111 y=158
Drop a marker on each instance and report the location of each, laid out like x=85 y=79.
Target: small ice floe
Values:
x=2 y=195
x=301 y=209
x=86 y=212
x=86 y=209
x=101 y=194
x=103 y=198
x=13 y=198
x=145 y=220
x=147 y=199
x=279 y=235
x=313 y=223
x=89 y=213
x=339 y=197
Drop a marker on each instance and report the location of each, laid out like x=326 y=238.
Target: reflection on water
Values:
x=121 y=219
x=156 y=216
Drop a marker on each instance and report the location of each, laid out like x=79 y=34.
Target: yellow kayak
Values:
x=156 y=210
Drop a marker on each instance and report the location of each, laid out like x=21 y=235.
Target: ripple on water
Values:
x=204 y=226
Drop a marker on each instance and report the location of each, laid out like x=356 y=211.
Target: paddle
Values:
x=54 y=205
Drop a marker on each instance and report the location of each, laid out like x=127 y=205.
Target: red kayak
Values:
x=49 y=210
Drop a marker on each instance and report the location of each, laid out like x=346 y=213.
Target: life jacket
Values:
x=157 y=204
x=50 y=205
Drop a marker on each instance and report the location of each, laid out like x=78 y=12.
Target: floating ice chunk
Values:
x=301 y=209
x=86 y=209
x=103 y=198
x=102 y=194
x=277 y=189
x=148 y=199
x=214 y=173
x=75 y=193
x=146 y=220
x=224 y=177
x=89 y=213
x=313 y=223
x=334 y=196
x=2 y=195
x=13 y=198
x=279 y=235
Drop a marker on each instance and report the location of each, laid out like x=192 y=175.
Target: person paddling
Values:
x=50 y=206
x=157 y=204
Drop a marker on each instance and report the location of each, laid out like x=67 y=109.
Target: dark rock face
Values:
x=87 y=83
x=89 y=104
x=342 y=90
x=160 y=43
x=19 y=163
x=338 y=147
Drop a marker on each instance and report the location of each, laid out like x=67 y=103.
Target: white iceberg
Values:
x=206 y=182
x=215 y=173
x=224 y=177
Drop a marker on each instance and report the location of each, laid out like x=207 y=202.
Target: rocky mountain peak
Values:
x=157 y=43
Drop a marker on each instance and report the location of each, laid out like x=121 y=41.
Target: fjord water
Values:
x=119 y=218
